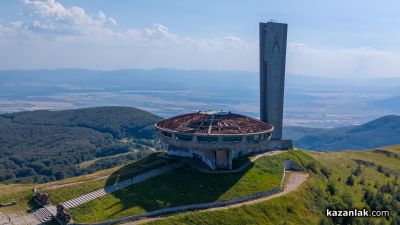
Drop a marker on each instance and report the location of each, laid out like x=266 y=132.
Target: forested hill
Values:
x=40 y=146
x=383 y=131
x=118 y=121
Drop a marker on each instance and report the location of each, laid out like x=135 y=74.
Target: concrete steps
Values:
x=46 y=213
x=117 y=186
x=43 y=214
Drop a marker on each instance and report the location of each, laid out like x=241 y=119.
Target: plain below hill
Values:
x=383 y=131
x=41 y=146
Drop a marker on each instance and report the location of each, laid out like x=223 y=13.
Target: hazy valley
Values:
x=309 y=101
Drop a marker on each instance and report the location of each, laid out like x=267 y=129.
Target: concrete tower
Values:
x=272 y=74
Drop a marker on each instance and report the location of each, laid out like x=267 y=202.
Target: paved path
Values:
x=46 y=213
x=16 y=218
x=294 y=180
x=269 y=153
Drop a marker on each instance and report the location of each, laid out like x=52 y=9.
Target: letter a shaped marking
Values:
x=276 y=42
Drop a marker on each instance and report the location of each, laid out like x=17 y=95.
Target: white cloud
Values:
x=354 y=62
x=57 y=36
x=157 y=30
x=103 y=19
x=237 y=42
x=51 y=17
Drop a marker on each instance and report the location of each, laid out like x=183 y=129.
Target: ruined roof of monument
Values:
x=214 y=123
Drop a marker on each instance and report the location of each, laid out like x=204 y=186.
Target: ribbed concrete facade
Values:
x=273 y=37
x=215 y=138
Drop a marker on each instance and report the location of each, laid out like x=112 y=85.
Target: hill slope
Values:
x=380 y=132
x=41 y=146
x=374 y=185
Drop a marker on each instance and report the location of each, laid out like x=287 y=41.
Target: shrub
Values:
x=350 y=180
x=326 y=172
x=312 y=166
x=362 y=181
x=357 y=172
x=331 y=189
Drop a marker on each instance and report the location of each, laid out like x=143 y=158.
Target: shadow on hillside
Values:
x=180 y=186
x=148 y=163
x=33 y=205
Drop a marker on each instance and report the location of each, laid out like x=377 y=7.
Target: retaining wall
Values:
x=279 y=145
x=8 y=204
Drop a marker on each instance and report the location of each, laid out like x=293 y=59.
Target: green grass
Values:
x=293 y=208
x=76 y=186
x=86 y=164
x=180 y=187
x=307 y=204
x=185 y=186
x=69 y=192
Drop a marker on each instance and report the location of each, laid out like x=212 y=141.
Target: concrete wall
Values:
x=207 y=157
x=279 y=145
x=290 y=165
x=206 y=149
x=180 y=153
x=243 y=145
x=272 y=74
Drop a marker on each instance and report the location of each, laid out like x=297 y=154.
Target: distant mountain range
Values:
x=392 y=104
x=376 y=133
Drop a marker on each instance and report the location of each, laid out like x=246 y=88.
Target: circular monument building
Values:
x=213 y=137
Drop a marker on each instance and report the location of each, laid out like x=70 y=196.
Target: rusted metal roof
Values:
x=214 y=123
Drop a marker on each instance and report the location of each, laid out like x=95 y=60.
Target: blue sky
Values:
x=326 y=38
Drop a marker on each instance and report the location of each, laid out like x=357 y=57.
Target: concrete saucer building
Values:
x=218 y=137
x=213 y=137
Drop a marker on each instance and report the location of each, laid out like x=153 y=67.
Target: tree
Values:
x=357 y=172
x=59 y=175
x=331 y=188
x=350 y=180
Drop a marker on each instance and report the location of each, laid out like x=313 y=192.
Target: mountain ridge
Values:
x=382 y=131
x=42 y=145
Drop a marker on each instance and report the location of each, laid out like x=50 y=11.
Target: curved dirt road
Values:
x=294 y=180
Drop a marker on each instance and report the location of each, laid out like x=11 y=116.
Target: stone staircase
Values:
x=46 y=213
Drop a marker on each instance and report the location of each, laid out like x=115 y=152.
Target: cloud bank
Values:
x=50 y=35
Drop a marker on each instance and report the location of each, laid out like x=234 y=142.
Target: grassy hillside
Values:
x=178 y=187
x=42 y=146
x=383 y=131
x=72 y=187
x=375 y=186
x=182 y=187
